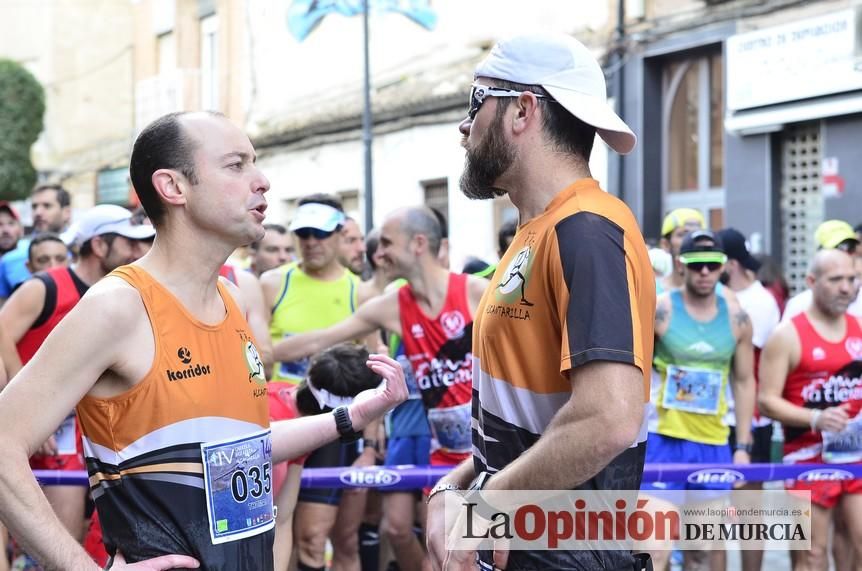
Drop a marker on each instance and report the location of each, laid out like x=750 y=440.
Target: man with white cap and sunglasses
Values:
x=566 y=327
x=106 y=239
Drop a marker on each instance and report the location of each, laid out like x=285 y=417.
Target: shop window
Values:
x=693 y=115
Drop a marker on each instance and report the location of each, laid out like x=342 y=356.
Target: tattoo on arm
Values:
x=660 y=314
x=742 y=319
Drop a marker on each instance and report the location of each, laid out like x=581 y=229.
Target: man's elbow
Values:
x=623 y=430
x=766 y=404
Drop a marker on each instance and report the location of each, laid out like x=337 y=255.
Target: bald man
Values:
x=810 y=373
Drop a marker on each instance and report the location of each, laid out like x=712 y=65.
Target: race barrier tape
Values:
x=415 y=477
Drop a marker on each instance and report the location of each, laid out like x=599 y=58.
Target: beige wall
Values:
x=232 y=55
x=81 y=52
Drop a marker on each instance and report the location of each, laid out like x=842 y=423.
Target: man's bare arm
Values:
x=256 y=315
x=379 y=312
x=295 y=437
x=776 y=362
x=475 y=290
x=9 y=356
x=742 y=382
x=22 y=309
x=90 y=340
x=601 y=420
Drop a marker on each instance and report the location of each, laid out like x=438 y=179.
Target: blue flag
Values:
x=304 y=15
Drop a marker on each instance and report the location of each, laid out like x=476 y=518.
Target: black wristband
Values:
x=345 y=428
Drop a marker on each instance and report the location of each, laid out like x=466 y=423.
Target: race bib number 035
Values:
x=238 y=486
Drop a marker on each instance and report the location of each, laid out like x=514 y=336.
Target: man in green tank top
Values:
x=702 y=342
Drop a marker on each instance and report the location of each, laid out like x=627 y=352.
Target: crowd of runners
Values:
x=327 y=329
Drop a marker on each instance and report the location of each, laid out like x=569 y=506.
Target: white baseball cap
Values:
x=316 y=215
x=568 y=72
x=106 y=219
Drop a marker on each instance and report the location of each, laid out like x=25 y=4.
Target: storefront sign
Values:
x=809 y=58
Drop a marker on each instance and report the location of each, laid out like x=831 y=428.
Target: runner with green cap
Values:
x=700 y=337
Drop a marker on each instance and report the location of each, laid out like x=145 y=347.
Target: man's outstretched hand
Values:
x=374 y=403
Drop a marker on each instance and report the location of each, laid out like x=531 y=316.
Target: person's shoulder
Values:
x=112 y=300
x=235 y=290
x=476 y=286
x=784 y=334
x=32 y=290
x=275 y=275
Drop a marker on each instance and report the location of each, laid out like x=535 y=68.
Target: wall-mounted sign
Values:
x=809 y=58
x=831 y=182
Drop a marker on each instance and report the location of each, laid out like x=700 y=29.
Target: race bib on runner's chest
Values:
x=689 y=389
x=67 y=444
x=238 y=486
x=451 y=427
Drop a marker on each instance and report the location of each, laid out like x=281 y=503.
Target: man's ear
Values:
x=99 y=246
x=170 y=185
x=527 y=111
x=419 y=241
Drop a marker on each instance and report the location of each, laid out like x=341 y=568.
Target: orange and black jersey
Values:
x=575 y=286
x=144 y=447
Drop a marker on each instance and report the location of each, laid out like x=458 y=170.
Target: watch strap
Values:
x=344 y=426
x=744 y=447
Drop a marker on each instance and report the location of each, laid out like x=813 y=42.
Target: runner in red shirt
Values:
x=811 y=381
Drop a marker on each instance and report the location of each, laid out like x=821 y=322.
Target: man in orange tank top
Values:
x=810 y=378
x=173 y=404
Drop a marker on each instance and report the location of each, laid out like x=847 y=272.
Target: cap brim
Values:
x=596 y=112
x=139 y=232
x=692 y=257
x=299 y=223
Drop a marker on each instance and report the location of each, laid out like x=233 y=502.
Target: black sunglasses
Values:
x=849 y=246
x=479 y=93
x=316 y=233
x=698 y=266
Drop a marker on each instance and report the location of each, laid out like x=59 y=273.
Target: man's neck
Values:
x=330 y=272
x=740 y=281
x=539 y=178
x=88 y=269
x=379 y=281
x=430 y=284
x=188 y=265
x=699 y=304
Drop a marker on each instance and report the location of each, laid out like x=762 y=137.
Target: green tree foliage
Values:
x=22 y=106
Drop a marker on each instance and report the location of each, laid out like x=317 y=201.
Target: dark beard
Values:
x=487 y=163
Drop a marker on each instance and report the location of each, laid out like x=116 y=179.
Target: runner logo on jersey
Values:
x=453 y=323
x=254 y=363
x=185 y=355
x=512 y=287
x=191 y=371
x=854 y=347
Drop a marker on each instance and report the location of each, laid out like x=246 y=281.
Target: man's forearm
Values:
x=461 y=475
x=29 y=517
x=570 y=452
x=296 y=347
x=743 y=396
x=299 y=436
x=786 y=412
